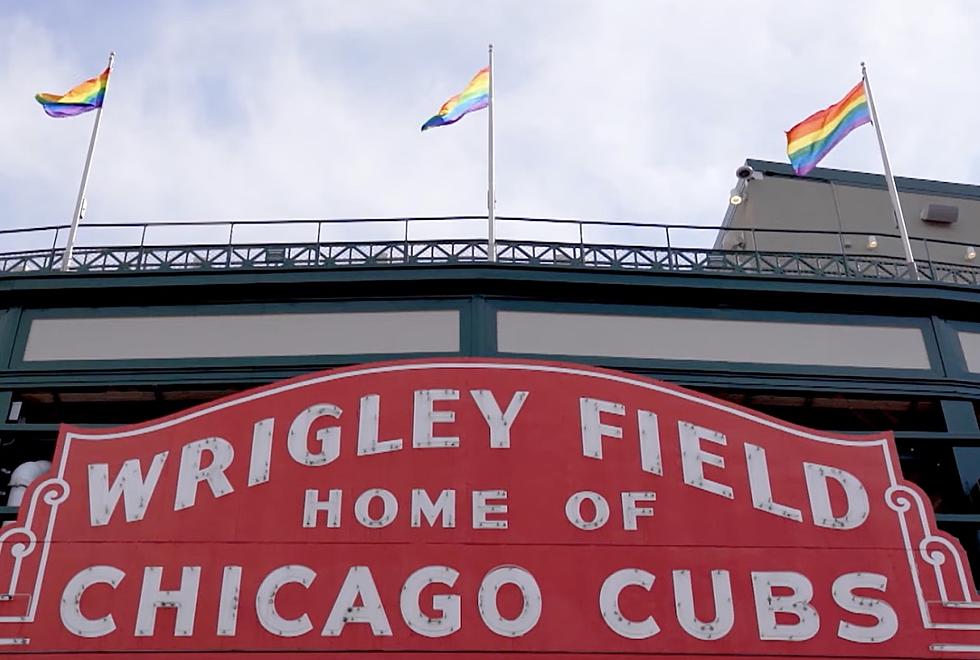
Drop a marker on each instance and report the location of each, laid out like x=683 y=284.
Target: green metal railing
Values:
x=451 y=240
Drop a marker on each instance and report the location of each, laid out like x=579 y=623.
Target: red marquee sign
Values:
x=480 y=507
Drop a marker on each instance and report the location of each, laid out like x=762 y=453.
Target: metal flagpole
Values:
x=491 y=199
x=80 y=203
x=889 y=179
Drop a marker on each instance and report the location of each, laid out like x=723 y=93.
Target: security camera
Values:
x=744 y=172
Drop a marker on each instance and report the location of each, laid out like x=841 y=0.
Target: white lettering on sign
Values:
x=796 y=605
x=348 y=584
x=425 y=417
x=192 y=474
x=499 y=422
x=71 y=601
x=857 y=497
x=483 y=507
x=367 y=430
x=260 y=463
x=312 y=442
x=593 y=429
x=783 y=602
x=129 y=484
x=609 y=603
x=573 y=510
x=313 y=505
x=887 y=620
x=650 y=457
x=358 y=587
x=721 y=590
x=448 y=606
x=231 y=586
x=761 y=488
x=389 y=508
x=530 y=612
x=183 y=599
x=265 y=601
x=298 y=441
x=444 y=506
x=694 y=458
x=630 y=509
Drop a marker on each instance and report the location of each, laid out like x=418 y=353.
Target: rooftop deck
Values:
x=544 y=242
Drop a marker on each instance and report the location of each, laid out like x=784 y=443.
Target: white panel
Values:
x=766 y=342
x=242 y=335
x=970 y=342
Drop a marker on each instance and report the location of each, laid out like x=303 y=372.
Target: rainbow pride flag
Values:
x=81 y=98
x=474 y=97
x=813 y=138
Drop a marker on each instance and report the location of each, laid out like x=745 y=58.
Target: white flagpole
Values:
x=80 y=203
x=889 y=179
x=491 y=199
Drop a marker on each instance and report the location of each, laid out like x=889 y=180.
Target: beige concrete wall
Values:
x=241 y=335
x=802 y=204
x=712 y=340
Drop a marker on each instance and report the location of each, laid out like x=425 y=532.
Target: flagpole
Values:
x=889 y=179
x=80 y=202
x=491 y=199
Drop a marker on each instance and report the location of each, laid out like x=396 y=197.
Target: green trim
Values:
x=468 y=327
x=960 y=416
x=9 y=322
x=248 y=375
x=490 y=327
x=66 y=287
x=950 y=355
x=949 y=335
x=968 y=438
x=476 y=291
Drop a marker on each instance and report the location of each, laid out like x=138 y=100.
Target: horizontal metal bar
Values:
x=447 y=218
x=670 y=257
x=966 y=518
x=937 y=436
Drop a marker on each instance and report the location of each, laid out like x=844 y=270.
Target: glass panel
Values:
x=931 y=465
x=969 y=537
x=843 y=412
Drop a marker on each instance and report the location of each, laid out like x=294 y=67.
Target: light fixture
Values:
x=739 y=193
x=971 y=253
x=872 y=242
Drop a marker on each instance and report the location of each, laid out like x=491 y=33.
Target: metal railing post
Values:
x=670 y=250
x=405 y=243
x=142 y=250
x=843 y=253
x=932 y=269
x=54 y=247
x=319 y=228
x=581 y=242
x=231 y=242
x=755 y=249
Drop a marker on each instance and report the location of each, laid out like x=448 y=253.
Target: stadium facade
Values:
x=799 y=306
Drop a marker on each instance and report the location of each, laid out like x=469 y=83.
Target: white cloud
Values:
x=606 y=110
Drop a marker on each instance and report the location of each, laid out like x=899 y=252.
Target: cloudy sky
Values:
x=605 y=109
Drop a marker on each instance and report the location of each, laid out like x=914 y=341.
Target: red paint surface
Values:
x=259 y=528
